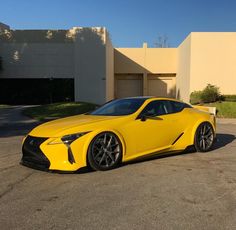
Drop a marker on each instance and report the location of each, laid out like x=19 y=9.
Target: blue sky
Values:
x=130 y=22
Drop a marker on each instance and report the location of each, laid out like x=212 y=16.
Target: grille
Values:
x=32 y=154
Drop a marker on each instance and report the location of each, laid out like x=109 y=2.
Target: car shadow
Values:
x=17 y=129
x=14 y=123
x=222 y=140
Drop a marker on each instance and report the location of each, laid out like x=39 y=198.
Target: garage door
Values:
x=128 y=85
x=161 y=85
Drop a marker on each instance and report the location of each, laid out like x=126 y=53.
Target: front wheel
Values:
x=105 y=151
x=204 y=137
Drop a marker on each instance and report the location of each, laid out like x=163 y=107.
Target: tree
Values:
x=162 y=41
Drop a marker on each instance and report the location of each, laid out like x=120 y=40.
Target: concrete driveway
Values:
x=188 y=191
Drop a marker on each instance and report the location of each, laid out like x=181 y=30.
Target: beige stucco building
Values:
x=101 y=72
x=202 y=58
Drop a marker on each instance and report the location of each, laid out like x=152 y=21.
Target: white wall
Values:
x=109 y=68
x=80 y=53
x=90 y=65
x=36 y=54
x=37 y=60
x=184 y=70
x=213 y=61
x=148 y=60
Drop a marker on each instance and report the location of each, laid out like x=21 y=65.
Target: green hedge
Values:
x=58 y=110
x=210 y=93
x=231 y=97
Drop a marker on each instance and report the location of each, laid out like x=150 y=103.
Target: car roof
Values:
x=138 y=97
x=153 y=98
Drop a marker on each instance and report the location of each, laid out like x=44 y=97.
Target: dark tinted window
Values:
x=163 y=107
x=178 y=106
x=119 y=107
x=155 y=108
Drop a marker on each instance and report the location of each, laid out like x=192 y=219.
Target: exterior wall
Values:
x=90 y=65
x=201 y=58
x=109 y=69
x=36 y=54
x=184 y=70
x=206 y=58
x=87 y=56
x=129 y=60
x=35 y=60
x=83 y=54
x=213 y=57
x=145 y=60
x=161 y=60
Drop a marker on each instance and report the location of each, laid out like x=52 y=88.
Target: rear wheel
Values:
x=204 y=137
x=105 y=151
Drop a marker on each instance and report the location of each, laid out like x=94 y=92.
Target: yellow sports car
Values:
x=119 y=131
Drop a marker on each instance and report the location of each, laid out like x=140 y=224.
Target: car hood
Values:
x=69 y=125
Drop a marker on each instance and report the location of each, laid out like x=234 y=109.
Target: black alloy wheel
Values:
x=204 y=137
x=105 y=151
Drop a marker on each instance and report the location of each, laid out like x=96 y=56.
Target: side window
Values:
x=178 y=106
x=155 y=108
x=167 y=106
x=163 y=107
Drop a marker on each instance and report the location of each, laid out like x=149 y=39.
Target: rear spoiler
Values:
x=211 y=110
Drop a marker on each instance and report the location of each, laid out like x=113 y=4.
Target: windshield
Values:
x=119 y=107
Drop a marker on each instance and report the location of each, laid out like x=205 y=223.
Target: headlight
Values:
x=68 y=139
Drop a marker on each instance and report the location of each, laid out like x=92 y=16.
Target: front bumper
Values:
x=38 y=153
x=32 y=154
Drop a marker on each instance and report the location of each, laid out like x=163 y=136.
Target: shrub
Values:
x=231 y=97
x=210 y=94
x=195 y=97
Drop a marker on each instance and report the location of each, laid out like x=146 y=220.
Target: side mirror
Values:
x=143 y=118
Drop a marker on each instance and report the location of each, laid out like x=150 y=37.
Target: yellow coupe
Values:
x=119 y=131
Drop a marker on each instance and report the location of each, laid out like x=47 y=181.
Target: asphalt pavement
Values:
x=185 y=191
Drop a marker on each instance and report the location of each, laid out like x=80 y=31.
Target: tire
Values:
x=204 y=137
x=105 y=151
